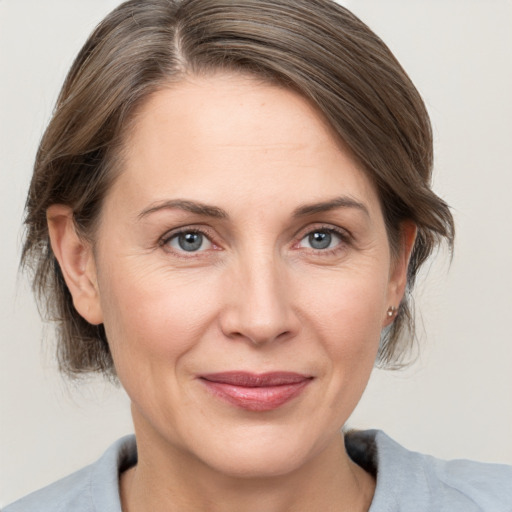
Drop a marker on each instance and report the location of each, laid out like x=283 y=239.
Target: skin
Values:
x=257 y=296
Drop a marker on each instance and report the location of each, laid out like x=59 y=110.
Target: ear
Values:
x=76 y=260
x=398 y=271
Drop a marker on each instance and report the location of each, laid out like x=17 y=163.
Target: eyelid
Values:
x=332 y=228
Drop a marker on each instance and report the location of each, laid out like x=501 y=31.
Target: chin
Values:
x=262 y=463
x=264 y=452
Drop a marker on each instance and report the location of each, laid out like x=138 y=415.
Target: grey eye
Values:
x=321 y=239
x=190 y=242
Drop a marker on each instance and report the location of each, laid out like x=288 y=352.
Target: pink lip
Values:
x=256 y=392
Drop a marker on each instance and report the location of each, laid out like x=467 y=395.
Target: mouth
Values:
x=256 y=392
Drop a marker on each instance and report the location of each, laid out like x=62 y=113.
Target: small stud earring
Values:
x=392 y=311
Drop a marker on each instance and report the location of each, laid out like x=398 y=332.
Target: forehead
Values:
x=230 y=136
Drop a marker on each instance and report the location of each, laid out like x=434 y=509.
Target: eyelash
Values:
x=344 y=236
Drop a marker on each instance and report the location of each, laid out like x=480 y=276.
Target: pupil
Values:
x=190 y=241
x=320 y=240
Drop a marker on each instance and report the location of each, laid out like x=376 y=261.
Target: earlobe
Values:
x=398 y=277
x=76 y=260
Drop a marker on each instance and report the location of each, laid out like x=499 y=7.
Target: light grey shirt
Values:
x=406 y=481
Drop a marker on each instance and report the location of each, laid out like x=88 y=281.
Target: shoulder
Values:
x=408 y=480
x=94 y=488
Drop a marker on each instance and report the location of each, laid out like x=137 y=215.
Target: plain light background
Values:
x=454 y=402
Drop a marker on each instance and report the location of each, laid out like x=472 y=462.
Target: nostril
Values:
x=259 y=336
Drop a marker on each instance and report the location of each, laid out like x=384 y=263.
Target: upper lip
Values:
x=253 y=380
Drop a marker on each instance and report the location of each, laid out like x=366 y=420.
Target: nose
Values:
x=258 y=302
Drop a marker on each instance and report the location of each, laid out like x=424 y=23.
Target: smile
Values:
x=256 y=392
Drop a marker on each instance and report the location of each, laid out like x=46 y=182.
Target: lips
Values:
x=256 y=392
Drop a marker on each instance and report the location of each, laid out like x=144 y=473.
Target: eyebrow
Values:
x=189 y=206
x=331 y=204
x=218 y=213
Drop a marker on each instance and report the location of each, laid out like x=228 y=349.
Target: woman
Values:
x=227 y=213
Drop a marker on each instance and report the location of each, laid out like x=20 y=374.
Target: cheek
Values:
x=348 y=316
x=349 y=306
x=152 y=315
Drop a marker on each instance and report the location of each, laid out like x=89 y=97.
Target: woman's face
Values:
x=243 y=274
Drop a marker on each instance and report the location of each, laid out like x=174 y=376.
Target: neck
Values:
x=166 y=478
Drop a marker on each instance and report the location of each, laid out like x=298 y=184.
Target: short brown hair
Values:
x=315 y=47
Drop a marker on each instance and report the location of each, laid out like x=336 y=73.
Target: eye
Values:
x=189 y=241
x=321 y=239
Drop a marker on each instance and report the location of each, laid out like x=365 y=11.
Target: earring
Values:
x=392 y=311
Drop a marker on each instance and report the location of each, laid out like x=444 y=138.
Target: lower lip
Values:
x=258 y=399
